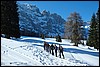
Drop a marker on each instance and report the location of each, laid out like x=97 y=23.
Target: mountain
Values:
x=32 y=21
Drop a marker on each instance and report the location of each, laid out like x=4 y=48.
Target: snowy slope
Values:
x=28 y=51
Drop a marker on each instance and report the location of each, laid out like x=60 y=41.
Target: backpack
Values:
x=61 y=49
x=56 y=48
x=52 y=47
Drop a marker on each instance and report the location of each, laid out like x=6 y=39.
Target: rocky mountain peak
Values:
x=32 y=20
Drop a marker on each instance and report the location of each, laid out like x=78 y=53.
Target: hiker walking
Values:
x=47 y=47
x=44 y=45
x=61 y=51
x=52 y=48
x=56 y=50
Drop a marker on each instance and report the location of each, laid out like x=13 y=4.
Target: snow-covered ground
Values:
x=28 y=51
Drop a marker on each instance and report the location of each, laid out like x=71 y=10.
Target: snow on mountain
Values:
x=31 y=19
x=28 y=51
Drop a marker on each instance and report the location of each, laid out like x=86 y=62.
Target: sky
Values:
x=65 y=8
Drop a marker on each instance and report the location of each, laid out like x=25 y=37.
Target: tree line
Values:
x=75 y=31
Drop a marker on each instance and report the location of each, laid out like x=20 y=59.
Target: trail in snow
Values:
x=79 y=59
x=28 y=52
x=14 y=55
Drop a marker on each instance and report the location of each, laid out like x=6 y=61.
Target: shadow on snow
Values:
x=31 y=41
x=73 y=50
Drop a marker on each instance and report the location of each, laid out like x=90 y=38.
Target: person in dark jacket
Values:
x=47 y=47
x=56 y=50
x=52 y=48
x=61 y=51
x=44 y=45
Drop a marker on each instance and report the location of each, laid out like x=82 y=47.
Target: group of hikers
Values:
x=53 y=49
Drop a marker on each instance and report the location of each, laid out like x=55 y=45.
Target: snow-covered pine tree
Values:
x=9 y=19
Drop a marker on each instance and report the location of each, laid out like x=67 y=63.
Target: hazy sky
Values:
x=64 y=8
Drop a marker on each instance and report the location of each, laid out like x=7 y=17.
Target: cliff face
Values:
x=32 y=20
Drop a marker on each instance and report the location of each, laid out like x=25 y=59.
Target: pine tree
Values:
x=75 y=32
x=73 y=28
x=97 y=20
x=5 y=20
x=15 y=20
x=92 y=40
x=9 y=19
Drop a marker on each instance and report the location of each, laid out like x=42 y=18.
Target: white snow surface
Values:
x=28 y=51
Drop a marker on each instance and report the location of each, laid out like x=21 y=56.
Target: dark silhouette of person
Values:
x=49 y=49
x=44 y=45
x=56 y=48
x=52 y=48
x=61 y=51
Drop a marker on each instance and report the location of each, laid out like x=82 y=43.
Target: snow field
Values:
x=28 y=51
